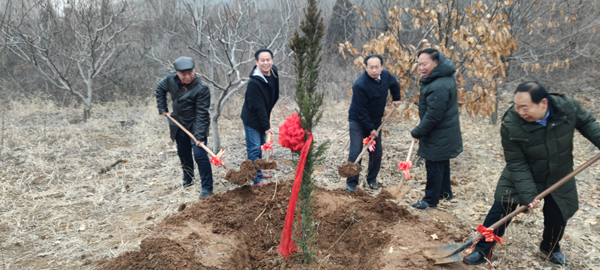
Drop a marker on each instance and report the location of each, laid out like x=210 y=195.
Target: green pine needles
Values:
x=307 y=57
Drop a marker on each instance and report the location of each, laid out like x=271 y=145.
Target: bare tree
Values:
x=70 y=45
x=226 y=36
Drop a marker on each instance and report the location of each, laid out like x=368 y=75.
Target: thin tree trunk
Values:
x=494 y=116
x=214 y=125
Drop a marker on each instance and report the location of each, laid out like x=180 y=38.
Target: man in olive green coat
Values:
x=537 y=136
x=439 y=130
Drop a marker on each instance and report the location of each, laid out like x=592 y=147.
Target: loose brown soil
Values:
x=246 y=173
x=243 y=228
x=349 y=169
x=262 y=164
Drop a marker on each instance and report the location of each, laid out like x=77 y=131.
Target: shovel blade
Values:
x=447 y=260
x=402 y=192
x=441 y=255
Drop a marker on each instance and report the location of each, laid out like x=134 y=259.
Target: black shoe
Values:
x=350 y=188
x=374 y=185
x=555 y=257
x=423 y=205
x=475 y=258
x=445 y=196
x=188 y=184
x=205 y=192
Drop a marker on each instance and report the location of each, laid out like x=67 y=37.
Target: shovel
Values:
x=449 y=254
x=215 y=159
x=400 y=190
x=355 y=164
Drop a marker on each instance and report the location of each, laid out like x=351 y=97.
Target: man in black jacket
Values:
x=191 y=100
x=439 y=130
x=261 y=95
x=369 y=95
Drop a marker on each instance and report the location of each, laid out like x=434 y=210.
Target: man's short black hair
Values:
x=433 y=53
x=373 y=55
x=261 y=51
x=536 y=90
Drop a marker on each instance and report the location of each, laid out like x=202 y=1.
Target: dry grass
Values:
x=57 y=211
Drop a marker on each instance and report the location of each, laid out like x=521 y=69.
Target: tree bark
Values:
x=214 y=126
x=494 y=116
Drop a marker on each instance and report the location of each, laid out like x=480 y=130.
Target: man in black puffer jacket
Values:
x=439 y=130
x=191 y=100
x=261 y=95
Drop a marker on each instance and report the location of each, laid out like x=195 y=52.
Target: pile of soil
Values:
x=246 y=173
x=241 y=229
x=262 y=164
x=349 y=169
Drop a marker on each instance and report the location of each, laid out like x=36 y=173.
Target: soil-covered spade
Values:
x=350 y=169
x=449 y=254
x=400 y=190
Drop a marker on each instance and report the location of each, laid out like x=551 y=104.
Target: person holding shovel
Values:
x=191 y=100
x=261 y=95
x=537 y=136
x=369 y=95
x=439 y=130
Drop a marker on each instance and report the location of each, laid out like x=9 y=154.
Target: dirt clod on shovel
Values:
x=349 y=169
x=246 y=173
x=262 y=164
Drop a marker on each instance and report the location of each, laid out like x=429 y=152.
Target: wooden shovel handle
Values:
x=369 y=143
x=412 y=144
x=543 y=194
x=191 y=136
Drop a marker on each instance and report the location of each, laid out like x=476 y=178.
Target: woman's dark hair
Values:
x=536 y=90
x=373 y=55
x=261 y=51
x=433 y=54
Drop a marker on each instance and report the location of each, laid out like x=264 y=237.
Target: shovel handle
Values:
x=369 y=143
x=524 y=207
x=547 y=191
x=543 y=194
x=191 y=136
x=412 y=144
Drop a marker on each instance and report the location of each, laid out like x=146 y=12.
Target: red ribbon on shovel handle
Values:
x=405 y=165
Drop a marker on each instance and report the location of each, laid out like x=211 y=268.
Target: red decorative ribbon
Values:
x=217 y=161
x=489 y=235
x=372 y=145
x=287 y=246
x=404 y=166
x=268 y=145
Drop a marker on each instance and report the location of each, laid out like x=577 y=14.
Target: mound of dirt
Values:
x=160 y=253
x=349 y=169
x=262 y=164
x=242 y=229
x=246 y=173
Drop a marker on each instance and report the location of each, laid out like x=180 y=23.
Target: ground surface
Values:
x=59 y=211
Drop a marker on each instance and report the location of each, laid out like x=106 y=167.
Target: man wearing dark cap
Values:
x=261 y=95
x=191 y=100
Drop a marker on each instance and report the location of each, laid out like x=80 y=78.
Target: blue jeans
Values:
x=254 y=140
x=357 y=134
x=185 y=145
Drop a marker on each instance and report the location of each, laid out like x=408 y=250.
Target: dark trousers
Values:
x=438 y=180
x=254 y=140
x=554 y=225
x=185 y=146
x=357 y=134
